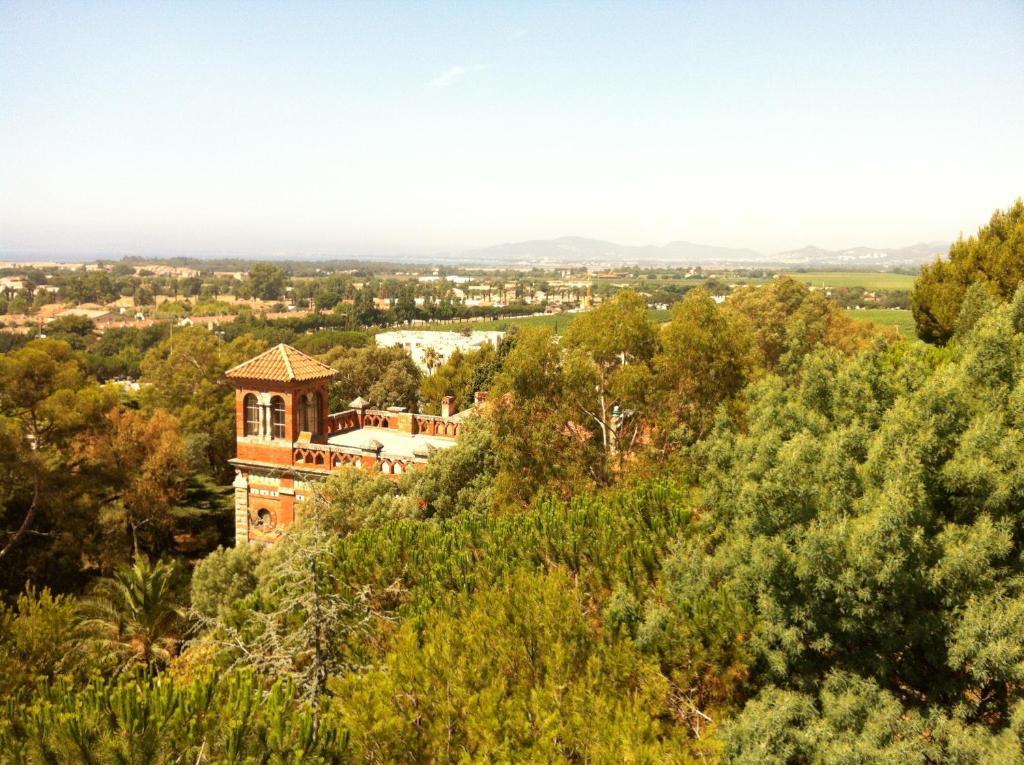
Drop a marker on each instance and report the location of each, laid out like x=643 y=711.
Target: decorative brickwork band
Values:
x=241 y=484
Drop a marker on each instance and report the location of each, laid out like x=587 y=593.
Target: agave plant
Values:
x=132 y=619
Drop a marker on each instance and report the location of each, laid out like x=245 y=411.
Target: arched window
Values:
x=252 y=415
x=310 y=419
x=277 y=417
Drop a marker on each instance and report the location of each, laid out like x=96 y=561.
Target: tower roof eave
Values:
x=282 y=363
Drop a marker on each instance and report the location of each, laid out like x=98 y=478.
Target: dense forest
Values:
x=762 y=532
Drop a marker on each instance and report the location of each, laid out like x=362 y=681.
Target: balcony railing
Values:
x=330 y=458
x=425 y=424
x=340 y=422
x=431 y=425
x=323 y=456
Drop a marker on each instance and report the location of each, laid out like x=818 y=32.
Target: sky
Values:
x=304 y=128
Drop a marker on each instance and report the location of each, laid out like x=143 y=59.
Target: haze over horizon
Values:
x=260 y=129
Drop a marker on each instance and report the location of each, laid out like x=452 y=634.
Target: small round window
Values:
x=265 y=519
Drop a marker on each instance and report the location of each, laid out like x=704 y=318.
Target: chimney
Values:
x=447 y=405
x=479 y=397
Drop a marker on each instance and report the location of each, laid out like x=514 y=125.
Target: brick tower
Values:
x=280 y=401
x=287 y=441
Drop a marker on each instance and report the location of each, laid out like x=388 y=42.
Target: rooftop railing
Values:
x=424 y=424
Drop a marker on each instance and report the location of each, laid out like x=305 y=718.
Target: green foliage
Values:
x=540 y=443
x=978 y=300
x=35 y=639
x=118 y=351
x=85 y=478
x=327 y=340
x=573 y=415
x=266 y=282
x=706 y=359
x=223 y=577
x=88 y=287
x=852 y=719
x=458 y=480
x=619 y=327
x=139 y=459
x=318 y=600
x=132 y=619
x=71 y=325
x=461 y=376
x=868 y=515
x=789 y=321
x=607 y=541
x=213 y=718
x=302 y=614
x=353 y=500
x=993 y=257
x=518 y=672
x=606 y=367
x=143 y=297
x=186 y=376
x=382 y=376
x=828 y=570
x=47 y=403
x=455 y=480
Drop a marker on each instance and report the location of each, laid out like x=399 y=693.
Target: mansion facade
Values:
x=287 y=441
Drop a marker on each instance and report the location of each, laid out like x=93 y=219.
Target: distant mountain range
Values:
x=915 y=254
x=574 y=249
x=577 y=248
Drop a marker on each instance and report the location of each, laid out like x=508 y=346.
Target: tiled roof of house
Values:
x=282 y=363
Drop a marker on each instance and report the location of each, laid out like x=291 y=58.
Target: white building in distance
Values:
x=416 y=342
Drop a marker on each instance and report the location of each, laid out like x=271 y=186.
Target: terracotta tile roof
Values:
x=282 y=363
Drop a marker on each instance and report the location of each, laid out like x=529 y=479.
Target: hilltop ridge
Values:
x=568 y=249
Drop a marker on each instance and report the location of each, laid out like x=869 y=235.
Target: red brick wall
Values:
x=276 y=453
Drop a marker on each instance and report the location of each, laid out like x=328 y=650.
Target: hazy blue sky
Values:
x=304 y=127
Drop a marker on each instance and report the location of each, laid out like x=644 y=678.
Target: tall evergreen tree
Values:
x=994 y=257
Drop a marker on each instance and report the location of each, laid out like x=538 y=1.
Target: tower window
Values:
x=277 y=417
x=252 y=415
x=311 y=413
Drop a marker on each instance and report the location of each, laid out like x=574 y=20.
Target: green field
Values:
x=869 y=280
x=901 y=319
x=652 y=284
x=557 y=322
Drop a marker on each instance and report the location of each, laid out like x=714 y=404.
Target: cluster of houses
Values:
x=570 y=292
x=563 y=294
